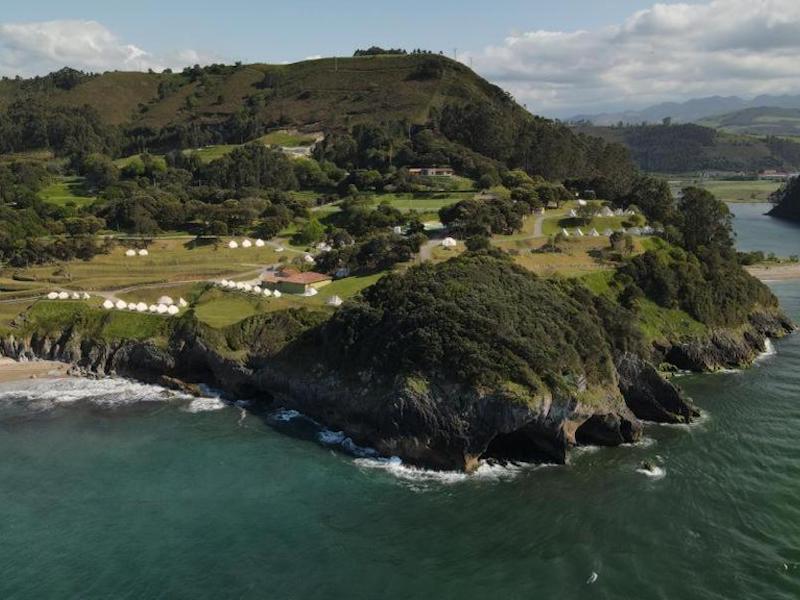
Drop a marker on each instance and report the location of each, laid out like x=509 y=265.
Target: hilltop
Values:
x=762 y=120
x=321 y=94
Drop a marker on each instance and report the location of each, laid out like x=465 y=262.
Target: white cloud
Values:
x=40 y=47
x=666 y=52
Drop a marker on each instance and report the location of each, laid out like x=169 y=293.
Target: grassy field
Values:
x=731 y=191
x=67 y=191
x=287 y=138
x=219 y=308
x=170 y=261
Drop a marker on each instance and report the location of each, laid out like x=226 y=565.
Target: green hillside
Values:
x=763 y=121
x=686 y=148
x=396 y=87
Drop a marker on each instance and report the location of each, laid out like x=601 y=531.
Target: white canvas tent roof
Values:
x=334 y=301
x=166 y=300
x=578 y=232
x=246 y=243
x=52 y=296
x=449 y=242
x=173 y=310
x=121 y=305
x=130 y=253
x=233 y=244
x=108 y=305
x=260 y=243
x=63 y=296
x=162 y=308
x=143 y=253
x=565 y=233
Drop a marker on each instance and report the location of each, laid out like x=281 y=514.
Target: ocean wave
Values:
x=654 y=473
x=205 y=405
x=107 y=392
x=769 y=351
x=486 y=471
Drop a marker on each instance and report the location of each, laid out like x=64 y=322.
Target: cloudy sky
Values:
x=560 y=57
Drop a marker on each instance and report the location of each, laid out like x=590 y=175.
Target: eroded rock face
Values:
x=649 y=396
x=438 y=425
x=729 y=348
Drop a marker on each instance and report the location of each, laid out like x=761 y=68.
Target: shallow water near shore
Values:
x=111 y=489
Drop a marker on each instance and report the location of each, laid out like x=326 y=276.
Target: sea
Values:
x=113 y=489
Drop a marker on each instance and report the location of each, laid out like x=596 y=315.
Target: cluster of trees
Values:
x=478 y=319
x=375 y=252
x=698 y=269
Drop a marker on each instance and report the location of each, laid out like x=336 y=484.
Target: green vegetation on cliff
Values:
x=481 y=320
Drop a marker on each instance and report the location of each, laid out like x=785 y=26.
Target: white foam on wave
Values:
x=653 y=473
x=107 y=392
x=205 y=405
x=699 y=423
x=285 y=415
x=486 y=471
x=769 y=351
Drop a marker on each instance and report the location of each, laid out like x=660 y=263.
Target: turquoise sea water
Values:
x=110 y=490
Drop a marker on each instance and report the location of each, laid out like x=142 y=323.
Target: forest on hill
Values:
x=683 y=148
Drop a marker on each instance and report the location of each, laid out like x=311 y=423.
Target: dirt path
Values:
x=537 y=227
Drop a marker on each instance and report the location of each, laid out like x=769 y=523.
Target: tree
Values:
x=587 y=211
x=705 y=222
x=313 y=231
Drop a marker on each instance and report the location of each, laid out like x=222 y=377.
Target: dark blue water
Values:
x=111 y=490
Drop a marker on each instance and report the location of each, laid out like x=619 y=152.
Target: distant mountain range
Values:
x=691 y=111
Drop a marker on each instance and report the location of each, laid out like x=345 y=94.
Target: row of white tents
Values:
x=256 y=290
x=164 y=306
x=233 y=244
x=607 y=212
x=131 y=252
x=637 y=231
x=68 y=296
x=247 y=288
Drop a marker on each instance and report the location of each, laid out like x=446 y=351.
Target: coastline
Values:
x=775 y=273
x=12 y=370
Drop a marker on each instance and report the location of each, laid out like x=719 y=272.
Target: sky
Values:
x=560 y=58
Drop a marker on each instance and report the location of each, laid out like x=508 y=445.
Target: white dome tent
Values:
x=108 y=305
x=182 y=303
x=449 y=242
x=267 y=293
x=86 y=296
x=166 y=300
x=141 y=307
x=260 y=243
x=277 y=294
x=143 y=252
x=247 y=244
x=162 y=309
x=52 y=296
x=75 y=296
x=233 y=244
x=130 y=253
x=173 y=310
x=256 y=290
x=152 y=308
x=63 y=296
x=132 y=306
x=121 y=305
x=334 y=301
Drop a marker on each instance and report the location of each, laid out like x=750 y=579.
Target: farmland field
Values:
x=731 y=191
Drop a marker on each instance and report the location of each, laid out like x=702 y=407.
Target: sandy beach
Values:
x=11 y=370
x=775 y=273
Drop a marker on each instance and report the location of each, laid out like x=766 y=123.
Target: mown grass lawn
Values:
x=67 y=191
